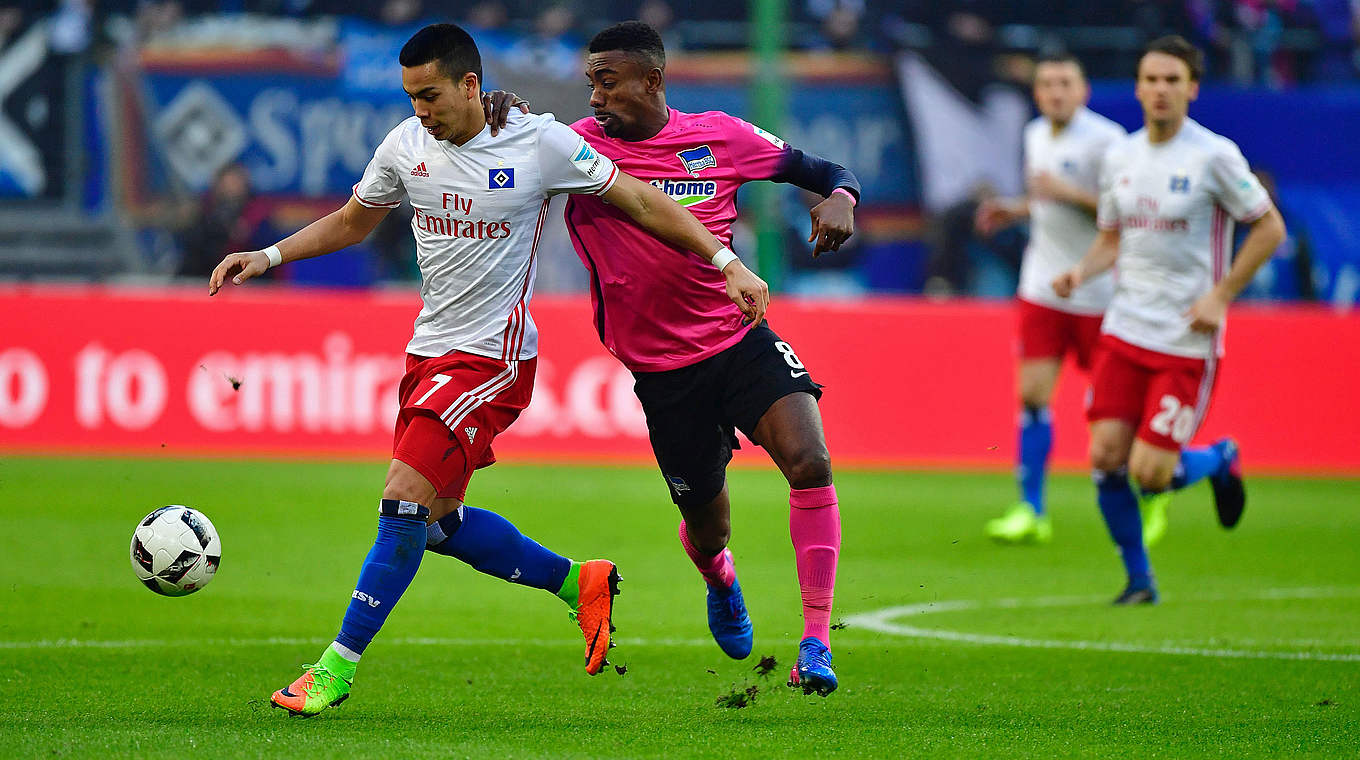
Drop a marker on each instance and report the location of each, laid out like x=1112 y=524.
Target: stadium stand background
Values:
x=141 y=140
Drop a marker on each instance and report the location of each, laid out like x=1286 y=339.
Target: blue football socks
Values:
x=1196 y=465
x=492 y=545
x=1036 y=440
x=387 y=571
x=1119 y=507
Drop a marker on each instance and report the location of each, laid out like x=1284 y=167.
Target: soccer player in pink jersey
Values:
x=1169 y=195
x=480 y=202
x=702 y=370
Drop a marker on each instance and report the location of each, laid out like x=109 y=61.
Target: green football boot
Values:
x=318 y=687
x=1153 y=509
x=1020 y=526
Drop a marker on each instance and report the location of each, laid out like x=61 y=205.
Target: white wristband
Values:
x=722 y=258
x=274 y=255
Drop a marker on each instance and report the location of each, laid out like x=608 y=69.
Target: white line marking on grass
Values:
x=290 y=641
x=884 y=621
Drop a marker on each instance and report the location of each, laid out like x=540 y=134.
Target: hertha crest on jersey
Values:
x=697 y=159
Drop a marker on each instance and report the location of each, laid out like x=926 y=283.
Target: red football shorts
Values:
x=1163 y=396
x=1047 y=333
x=452 y=407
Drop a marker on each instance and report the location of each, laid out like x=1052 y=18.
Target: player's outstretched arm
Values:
x=341 y=228
x=1046 y=186
x=996 y=214
x=1099 y=258
x=1209 y=311
x=660 y=215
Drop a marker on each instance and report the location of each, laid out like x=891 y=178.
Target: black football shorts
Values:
x=692 y=412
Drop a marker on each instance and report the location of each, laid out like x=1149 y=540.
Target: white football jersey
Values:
x=1174 y=204
x=1060 y=233
x=479 y=214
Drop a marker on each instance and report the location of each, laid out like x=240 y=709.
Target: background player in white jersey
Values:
x=1063 y=151
x=480 y=201
x=1169 y=195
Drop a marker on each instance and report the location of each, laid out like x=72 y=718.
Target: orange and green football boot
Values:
x=320 y=686
x=597 y=583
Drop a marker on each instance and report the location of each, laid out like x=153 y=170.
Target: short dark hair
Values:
x=449 y=45
x=1177 y=46
x=633 y=37
x=1061 y=56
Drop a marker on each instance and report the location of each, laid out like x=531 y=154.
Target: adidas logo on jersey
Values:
x=471 y=433
x=420 y=171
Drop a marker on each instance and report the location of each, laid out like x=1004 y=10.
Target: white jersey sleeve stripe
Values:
x=1257 y=212
x=613 y=175
x=371 y=204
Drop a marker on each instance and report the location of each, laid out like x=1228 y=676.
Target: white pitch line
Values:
x=317 y=641
x=883 y=621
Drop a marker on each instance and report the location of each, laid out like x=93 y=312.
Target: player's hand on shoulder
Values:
x=497 y=104
x=250 y=263
x=1207 y=313
x=750 y=293
x=833 y=222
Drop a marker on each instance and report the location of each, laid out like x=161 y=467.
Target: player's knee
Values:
x=1035 y=393
x=1106 y=457
x=406 y=484
x=1033 y=398
x=1151 y=478
x=810 y=468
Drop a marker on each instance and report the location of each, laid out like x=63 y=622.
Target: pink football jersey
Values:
x=657 y=307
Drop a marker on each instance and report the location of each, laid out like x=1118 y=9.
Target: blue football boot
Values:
x=1230 y=495
x=813 y=671
x=1137 y=593
x=728 y=621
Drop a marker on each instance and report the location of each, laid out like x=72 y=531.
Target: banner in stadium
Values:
x=272 y=372
x=35 y=117
x=306 y=129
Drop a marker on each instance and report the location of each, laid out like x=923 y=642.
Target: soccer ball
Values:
x=175 y=550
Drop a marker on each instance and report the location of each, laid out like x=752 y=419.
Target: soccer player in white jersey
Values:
x=1063 y=150
x=1169 y=195
x=480 y=202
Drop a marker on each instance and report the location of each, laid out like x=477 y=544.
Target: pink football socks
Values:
x=815 y=527
x=717 y=569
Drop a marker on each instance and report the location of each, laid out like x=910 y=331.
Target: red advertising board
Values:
x=287 y=372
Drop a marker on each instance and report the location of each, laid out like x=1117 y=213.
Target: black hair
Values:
x=1179 y=47
x=1061 y=56
x=633 y=37
x=449 y=45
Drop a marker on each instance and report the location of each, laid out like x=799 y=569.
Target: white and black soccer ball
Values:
x=175 y=550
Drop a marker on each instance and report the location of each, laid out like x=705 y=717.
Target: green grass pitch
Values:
x=1000 y=651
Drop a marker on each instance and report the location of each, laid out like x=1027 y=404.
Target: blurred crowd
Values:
x=1273 y=42
x=974 y=44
